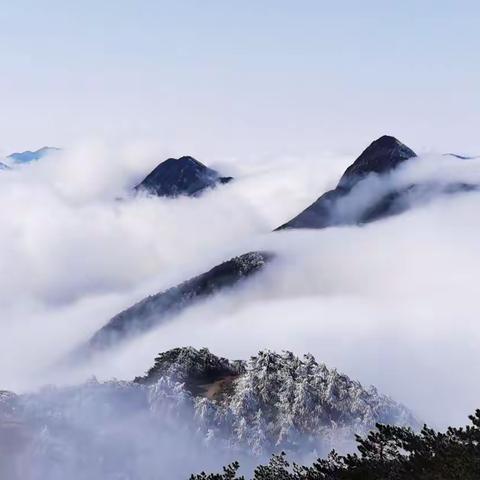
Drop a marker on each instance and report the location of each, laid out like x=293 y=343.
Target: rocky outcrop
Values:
x=182 y=176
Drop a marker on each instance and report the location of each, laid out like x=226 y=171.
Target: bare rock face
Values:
x=182 y=176
x=158 y=308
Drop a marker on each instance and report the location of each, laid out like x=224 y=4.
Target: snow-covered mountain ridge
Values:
x=274 y=400
x=271 y=402
x=155 y=309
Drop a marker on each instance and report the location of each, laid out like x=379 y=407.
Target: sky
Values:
x=222 y=78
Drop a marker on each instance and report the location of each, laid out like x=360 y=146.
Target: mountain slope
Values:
x=156 y=309
x=182 y=176
x=367 y=191
x=380 y=157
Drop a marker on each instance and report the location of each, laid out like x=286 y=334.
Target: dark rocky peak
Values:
x=381 y=156
x=196 y=369
x=182 y=176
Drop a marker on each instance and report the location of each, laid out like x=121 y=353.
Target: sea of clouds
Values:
x=393 y=303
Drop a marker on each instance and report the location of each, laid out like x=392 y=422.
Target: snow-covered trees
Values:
x=276 y=401
x=193 y=401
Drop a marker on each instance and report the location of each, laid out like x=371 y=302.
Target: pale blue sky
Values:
x=240 y=77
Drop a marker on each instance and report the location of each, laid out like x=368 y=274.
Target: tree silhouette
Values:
x=389 y=452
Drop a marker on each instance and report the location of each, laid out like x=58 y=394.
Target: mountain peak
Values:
x=387 y=139
x=381 y=156
x=180 y=176
x=189 y=159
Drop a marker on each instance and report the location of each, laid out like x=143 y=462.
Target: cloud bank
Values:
x=392 y=303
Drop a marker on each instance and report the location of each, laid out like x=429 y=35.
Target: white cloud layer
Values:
x=392 y=303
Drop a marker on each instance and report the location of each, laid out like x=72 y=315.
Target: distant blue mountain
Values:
x=29 y=156
x=4 y=167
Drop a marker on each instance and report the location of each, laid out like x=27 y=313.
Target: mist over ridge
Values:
x=230 y=230
x=390 y=302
